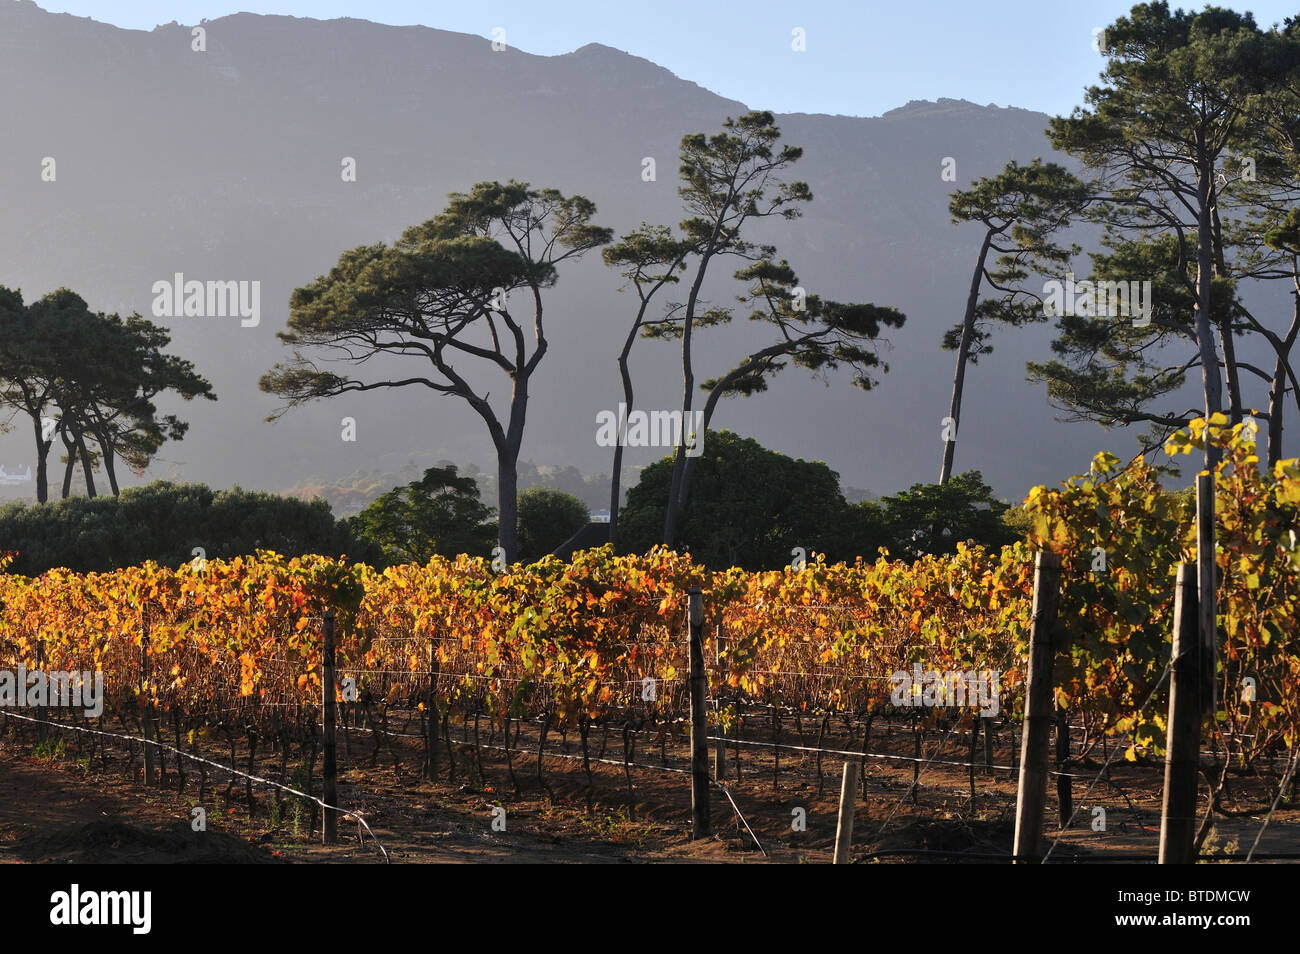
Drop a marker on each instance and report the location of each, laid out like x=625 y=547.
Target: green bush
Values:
x=164 y=522
x=751 y=507
x=547 y=518
x=441 y=513
x=748 y=506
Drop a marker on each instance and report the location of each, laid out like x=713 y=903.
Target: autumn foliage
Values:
x=577 y=641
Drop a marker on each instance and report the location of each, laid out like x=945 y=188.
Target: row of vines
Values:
x=238 y=642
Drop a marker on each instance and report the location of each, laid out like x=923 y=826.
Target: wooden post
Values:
x=40 y=710
x=145 y=673
x=1015 y=765
x=916 y=755
x=432 y=740
x=988 y=745
x=848 y=802
x=720 y=744
x=1064 y=794
x=1182 y=746
x=1038 y=707
x=974 y=741
x=699 y=720
x=329 y=768
x=1206 y=587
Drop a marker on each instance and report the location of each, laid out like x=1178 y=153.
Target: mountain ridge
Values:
x=225 y=165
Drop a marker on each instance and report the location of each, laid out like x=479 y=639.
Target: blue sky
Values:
x=862 y=57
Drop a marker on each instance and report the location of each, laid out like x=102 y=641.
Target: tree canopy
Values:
x=439 y=514
x=733 y=179
x=751 y=506
x=547 y=518
x=83 y=377
x=440 y=297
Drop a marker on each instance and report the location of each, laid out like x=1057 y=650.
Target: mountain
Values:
x=225 y=165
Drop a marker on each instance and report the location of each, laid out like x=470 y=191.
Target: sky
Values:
x=859 y=57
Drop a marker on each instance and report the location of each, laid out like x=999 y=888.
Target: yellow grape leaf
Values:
x=247 y=671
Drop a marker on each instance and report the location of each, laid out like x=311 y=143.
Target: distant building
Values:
x=599 y=516
x=7 y=478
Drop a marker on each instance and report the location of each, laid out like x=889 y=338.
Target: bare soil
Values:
x=73 y=807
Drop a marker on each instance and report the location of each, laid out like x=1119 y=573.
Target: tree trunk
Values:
x=676 y=498
x=85 y=463
x=508 y=444
x=615 y=491
x=508 y=502
x=71 y=449
x=688 y=471
x=109 y=452
x=674 y=506
x=1277 y=387
x=1275 y=405
x=1211 y=383
x=963 y=352
x=42 y=462
x=616 y=474
x=1232 y=373
x=1235 y=408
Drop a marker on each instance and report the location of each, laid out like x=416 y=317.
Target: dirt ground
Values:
x=62 y=807
x=57 y=812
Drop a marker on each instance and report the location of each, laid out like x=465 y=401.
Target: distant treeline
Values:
x=350 y=495
x=165 y=522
